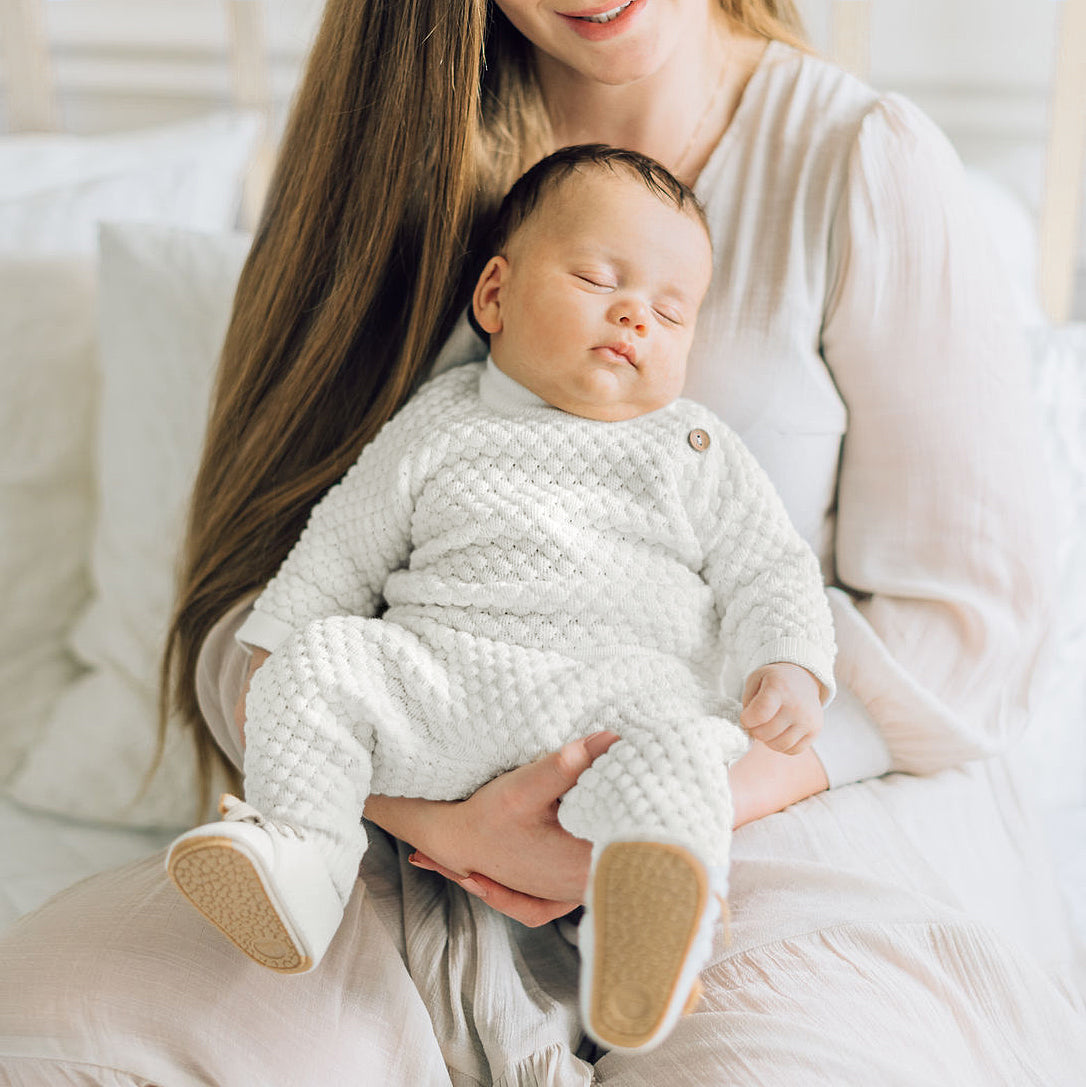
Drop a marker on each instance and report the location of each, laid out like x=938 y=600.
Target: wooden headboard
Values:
x=32 y=93
x=32 y=105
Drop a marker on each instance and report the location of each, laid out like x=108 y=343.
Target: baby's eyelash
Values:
x=671 y=318
x=595 y=281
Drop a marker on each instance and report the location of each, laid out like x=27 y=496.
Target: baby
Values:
x=555 y=544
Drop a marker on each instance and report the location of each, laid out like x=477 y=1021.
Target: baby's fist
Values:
x=782 y=707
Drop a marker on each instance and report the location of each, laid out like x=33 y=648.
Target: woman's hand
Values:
x=509 y=829
x=256 y=658
x=504 y=843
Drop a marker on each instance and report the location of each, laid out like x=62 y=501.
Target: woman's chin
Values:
x=621 y=62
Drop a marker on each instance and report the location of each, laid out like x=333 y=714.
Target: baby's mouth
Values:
x=618 y=352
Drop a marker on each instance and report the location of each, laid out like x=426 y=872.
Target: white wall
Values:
x=982 y=69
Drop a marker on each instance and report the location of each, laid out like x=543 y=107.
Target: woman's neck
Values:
x=676 y=115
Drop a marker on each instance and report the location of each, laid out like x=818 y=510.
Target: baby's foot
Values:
x=646 y=935
x=262 y=884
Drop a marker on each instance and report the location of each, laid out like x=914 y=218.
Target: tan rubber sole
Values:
x=222 y=884
x=647 y=901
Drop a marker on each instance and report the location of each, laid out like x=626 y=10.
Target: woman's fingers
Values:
x=421 y=860
x=526 y=909
x=548 y=778
x=256 y=659
x=509 y=829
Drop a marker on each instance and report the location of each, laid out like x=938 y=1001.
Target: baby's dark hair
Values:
x=547 y=174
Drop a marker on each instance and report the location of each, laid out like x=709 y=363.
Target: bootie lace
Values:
x=235 y=810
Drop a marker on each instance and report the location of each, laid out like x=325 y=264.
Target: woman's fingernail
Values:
x=599 y=742
x=473 y=887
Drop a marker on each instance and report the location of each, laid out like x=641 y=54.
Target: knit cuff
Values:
x=263 y=631
x=809 y=655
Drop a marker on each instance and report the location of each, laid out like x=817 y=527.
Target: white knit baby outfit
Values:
x=545 y=576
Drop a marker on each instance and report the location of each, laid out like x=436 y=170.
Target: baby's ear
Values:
x=486 y=301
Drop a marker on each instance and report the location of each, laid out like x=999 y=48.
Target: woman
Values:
x=899 y=930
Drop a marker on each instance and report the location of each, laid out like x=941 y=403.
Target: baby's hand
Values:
x=782 y=707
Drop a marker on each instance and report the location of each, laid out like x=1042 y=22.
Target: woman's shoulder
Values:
x=807 y=134
x=804 y=103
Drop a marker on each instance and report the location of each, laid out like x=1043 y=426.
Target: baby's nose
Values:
x=632 y=315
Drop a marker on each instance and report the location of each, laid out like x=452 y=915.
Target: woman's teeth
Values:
x=607 y=16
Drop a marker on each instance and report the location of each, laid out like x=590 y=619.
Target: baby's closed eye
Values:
x=599 y=280
x=668 y=314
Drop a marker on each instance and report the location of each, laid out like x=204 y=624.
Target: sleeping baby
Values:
x=531 y=550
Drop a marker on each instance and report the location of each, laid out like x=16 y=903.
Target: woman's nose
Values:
x=632 y=314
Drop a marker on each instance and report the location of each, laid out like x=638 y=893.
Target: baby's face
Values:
x=593 y=305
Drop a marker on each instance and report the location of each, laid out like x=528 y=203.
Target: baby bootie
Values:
x=262 y=884
x=646 y=935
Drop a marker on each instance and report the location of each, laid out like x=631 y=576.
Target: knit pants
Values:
x=350 y=706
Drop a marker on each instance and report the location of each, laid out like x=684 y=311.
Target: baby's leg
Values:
x=309 y=735
x=275 y=874
x=666 y=779
x=658 y=811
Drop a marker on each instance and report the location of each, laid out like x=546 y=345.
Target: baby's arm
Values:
x=776 y=624
x=356 y=535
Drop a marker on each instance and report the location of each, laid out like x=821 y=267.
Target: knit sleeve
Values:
x=356 y=535
x=765 y=578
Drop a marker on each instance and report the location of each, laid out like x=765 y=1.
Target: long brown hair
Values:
x=411 y=120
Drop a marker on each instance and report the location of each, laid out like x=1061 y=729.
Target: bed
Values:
x=119 y=249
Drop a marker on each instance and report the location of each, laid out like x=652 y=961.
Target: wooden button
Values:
x=698 y=439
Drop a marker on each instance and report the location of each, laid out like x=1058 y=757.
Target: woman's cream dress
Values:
x=900 y=930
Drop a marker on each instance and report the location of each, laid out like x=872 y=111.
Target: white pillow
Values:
x=165 y=299
x=55 y=189
x=53 y=192
x=1053 y=752
x=48 y=386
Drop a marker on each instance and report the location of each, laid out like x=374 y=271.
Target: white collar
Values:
x=498 y=390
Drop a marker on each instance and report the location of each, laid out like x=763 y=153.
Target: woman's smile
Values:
x=601 y=23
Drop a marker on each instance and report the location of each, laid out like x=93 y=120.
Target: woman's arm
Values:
x=942 y=549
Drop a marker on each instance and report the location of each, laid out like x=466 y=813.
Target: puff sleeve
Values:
x=942 y=546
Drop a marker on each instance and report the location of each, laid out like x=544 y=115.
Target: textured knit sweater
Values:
x=481 y=507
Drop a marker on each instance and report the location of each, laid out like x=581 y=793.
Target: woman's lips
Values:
x=592 y=31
